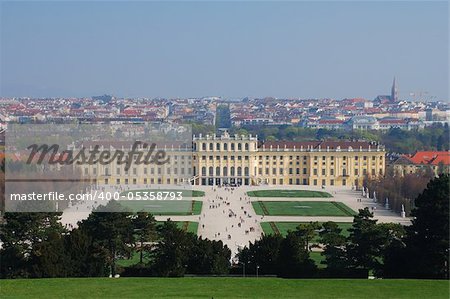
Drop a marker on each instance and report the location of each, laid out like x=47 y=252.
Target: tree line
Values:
x=399 y=190
x=387 y=250
x=37 y=245
x=396 y=140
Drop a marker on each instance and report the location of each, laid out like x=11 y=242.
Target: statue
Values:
x=403 y=213
x=386 y=205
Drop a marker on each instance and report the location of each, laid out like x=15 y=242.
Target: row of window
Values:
x=146 y=171
x=134 y=181
x=205 y=146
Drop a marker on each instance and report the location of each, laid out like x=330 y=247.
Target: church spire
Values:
x=394 y=91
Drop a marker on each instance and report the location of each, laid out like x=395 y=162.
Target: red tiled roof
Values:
x=431 y=157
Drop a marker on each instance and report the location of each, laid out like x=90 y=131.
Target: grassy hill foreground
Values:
x=221 y=287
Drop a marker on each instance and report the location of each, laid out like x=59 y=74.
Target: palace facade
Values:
x=243 y=160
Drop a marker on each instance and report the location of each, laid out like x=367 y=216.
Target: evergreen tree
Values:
x=428 y=236
x=21 y=234
x=144 y=225
x=334 y=246
x=294 y=260
x=365 y=242
x=172 y=251
x=111 y=230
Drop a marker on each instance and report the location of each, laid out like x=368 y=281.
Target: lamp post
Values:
x=257 y=268
x=243 y=268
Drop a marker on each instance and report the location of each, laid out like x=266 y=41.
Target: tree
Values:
x=307 y=232
x=334 y=246
x=208 y=257
x=86 y=258
x=110 y=229
x=21 y=235
x=263 y=253
x=365 y=242
x=172 y=251
x=49 y=258
x=294 y=260
x=428 y=237
x=145 y=226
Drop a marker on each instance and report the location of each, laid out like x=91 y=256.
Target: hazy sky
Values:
x=229 y=49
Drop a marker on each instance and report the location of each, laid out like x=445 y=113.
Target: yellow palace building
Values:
x=243 y=160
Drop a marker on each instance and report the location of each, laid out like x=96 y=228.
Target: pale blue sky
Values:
x=229 y=49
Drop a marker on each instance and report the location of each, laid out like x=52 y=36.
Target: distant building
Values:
x=363 y=122
x=436 y=161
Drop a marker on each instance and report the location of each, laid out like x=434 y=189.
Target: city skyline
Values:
x=232 y=50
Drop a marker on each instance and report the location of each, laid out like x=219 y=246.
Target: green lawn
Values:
x=302 y=208
x=284 y=227
x=135 y=256
x=317 y=257
x=288 y=193
x=220 y=287
x=164 y=207
x=188 y=226
x=184 y=193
